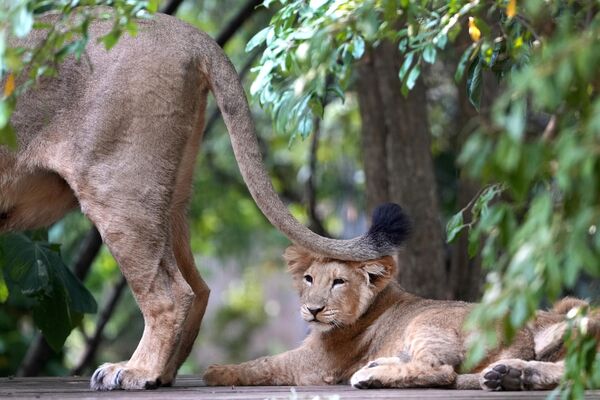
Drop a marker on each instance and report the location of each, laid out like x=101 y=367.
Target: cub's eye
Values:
x=338 y=281
x=3 y=216
x=308 y=278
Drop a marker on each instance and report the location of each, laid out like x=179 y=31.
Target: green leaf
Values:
x=495 y=53
x=473 y=246
x=258 y=39
x=440 y=41
x=483 y=200
x=519 y=312
x=406 y=65
x=460 y=69
x=22 y=21
x=110 y=39
x=403 y=45
x=336 y=89
x=413 y=76
x=51 y=315
x=153 y=5
x=507 y=154
x=454 y=226
x=263 y=77
x=474 y=78
x=6 y=108
x=80 y=299
x=8 y=137
x=315 y=4
x=316 y=106
x=359 y=47
x=36 y=268
x=26 y=264
x=515 y=120
x=3 y=289
x=429 y=54
x=132 y=28
x=305 y=125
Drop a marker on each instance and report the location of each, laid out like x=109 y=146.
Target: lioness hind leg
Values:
x=386 y=374
x=137 y=238
x=515 y=374
x=180 y=239
x=187 y=267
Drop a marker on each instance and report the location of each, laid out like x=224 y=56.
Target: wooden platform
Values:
x=189 y=387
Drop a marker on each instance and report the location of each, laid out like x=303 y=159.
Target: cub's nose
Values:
x=315 y=311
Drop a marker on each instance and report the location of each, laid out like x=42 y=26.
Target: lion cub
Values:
x=368 y=331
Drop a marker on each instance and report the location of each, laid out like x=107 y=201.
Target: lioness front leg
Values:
x=283 y=369
x=140 y=242
x=391 y=372
x=515 y=374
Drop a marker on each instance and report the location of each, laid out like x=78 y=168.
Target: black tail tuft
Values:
x=390 y=227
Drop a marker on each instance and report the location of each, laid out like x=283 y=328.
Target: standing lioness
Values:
x=368 y=331
x=117 y=134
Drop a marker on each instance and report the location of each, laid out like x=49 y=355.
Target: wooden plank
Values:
x=190 y=387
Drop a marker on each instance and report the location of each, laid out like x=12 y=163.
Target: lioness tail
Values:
x=390 y=225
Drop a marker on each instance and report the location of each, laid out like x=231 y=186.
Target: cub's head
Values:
x=336 y=293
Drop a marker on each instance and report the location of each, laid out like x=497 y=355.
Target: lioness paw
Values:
x=118 y=376
x=220 y=375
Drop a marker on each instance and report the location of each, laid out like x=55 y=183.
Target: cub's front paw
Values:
x=220 y=375
x=371 y=375
x=119 y=376
x=365 y=379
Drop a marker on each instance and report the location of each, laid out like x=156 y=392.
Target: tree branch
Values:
x=237 y=21
x=311 y=193
x=90 y=247
x=172 y=7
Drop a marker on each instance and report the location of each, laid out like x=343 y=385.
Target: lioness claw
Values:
x=117 y=376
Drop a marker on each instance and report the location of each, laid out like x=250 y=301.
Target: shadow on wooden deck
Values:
x=189 y=387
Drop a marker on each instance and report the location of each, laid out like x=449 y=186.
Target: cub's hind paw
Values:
x=119 y=376
x=505 y=377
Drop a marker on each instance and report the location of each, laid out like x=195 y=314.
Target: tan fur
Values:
x=372 y=333
x=117 y=134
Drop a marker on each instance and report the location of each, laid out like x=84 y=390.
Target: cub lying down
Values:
x=367 y=330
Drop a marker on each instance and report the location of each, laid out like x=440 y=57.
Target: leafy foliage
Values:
x=582 y=358
x=541 y=234
x=310 y=47
x=34 y=269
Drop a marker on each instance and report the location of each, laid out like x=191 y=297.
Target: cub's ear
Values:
x=298 y=259
x=379 y=272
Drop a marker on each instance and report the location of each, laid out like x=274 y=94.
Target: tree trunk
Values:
x=399 y=168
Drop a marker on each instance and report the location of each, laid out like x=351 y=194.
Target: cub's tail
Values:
x=390 y=225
